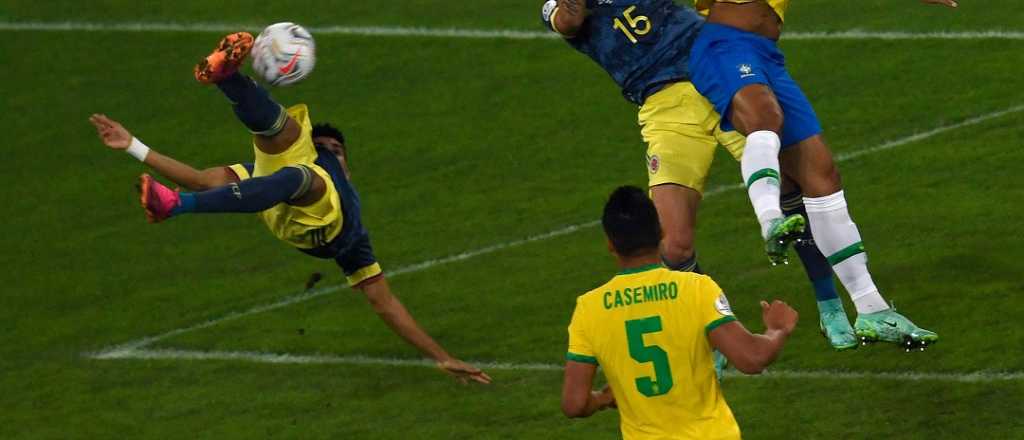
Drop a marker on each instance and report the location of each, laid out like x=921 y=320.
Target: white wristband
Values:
x=138 y=150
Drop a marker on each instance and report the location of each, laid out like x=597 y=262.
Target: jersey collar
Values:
x=639 y=269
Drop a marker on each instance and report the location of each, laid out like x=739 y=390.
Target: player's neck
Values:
x=627 y=263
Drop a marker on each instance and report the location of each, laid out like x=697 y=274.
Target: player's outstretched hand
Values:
x=950 y=3
x=111 y=132
x=779 y=316
x=463 y=372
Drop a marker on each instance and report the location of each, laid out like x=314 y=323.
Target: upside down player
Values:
x=651 y=330
x=736 y=63
x=644 y=45
x=298 y=184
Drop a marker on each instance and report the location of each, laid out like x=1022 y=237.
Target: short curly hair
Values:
x=328 y=130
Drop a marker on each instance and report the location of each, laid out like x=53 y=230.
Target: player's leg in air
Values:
x=274 y=133
x=833 y=322
x=681 y=131
x=744 y=76
x=836 y=235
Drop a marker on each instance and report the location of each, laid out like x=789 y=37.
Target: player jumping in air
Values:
x=652 y=329
x=736 y=63
x=298 y=184
x=644 y=45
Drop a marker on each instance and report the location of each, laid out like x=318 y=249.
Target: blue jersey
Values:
x=642 y=44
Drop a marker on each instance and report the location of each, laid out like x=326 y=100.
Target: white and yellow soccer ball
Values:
x=284 y=54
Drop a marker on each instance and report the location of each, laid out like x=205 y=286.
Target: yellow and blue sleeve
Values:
x=242 y=170
x=358 y=261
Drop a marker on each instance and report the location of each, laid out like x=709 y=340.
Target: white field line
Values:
x=842 y=157
x=505 y=34
x=284 y=358
x=127 y=349
x=306 y=296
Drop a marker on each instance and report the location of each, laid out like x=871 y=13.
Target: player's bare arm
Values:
x=390 y=309
x=578 y=398
x=752 y=353
x=565 y=16
x=115 y=136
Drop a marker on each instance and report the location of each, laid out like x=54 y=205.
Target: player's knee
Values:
x=822 y=181
x=280 y=139
x=764 y=117
x=297 y=180
x=756 y=109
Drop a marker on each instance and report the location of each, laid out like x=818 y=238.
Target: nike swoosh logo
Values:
x=291 y=63
x=890 y=324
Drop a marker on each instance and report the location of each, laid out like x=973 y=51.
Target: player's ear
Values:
x=611 y=247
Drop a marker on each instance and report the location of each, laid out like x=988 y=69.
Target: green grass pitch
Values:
x=458 y=145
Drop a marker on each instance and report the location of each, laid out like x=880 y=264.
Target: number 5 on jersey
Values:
x=638 y=26
x=662 y=382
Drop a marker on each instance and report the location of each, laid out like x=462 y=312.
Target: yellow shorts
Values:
x=681 y=129
x=305 y=227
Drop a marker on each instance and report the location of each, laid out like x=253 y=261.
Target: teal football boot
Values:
x=781 y=233
x=892 y=327
x=835 y=326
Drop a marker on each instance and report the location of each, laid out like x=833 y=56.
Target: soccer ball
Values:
x=284 y=54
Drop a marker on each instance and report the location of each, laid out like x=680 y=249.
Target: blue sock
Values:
x=817 y=267
x=690 y=265
x=188 y=204
x=250 y=195
x=253 y=105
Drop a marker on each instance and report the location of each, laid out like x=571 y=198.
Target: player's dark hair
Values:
x=328 y=130
x=631 y=222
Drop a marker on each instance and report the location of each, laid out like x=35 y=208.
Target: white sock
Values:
x=839 y=240
x=760 y=167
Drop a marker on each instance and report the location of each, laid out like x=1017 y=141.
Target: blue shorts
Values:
x=725 y=59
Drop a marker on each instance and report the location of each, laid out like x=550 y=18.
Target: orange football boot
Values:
x=225 y=59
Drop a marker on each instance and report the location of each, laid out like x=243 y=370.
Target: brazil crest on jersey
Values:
x=642 y=44
x=647 y=328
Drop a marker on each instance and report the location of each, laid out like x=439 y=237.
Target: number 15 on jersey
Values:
x=634 y=27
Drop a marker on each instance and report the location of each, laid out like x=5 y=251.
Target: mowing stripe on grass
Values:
x=124 y=350
x=311 y=294
x=285 y=358
x=501 y=34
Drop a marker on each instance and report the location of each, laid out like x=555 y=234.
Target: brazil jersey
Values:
x=642 y=44
x=647 y=328
x=780 y=6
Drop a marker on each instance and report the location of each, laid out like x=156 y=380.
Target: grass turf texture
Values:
x=456 y=145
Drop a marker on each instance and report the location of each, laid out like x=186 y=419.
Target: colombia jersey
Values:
x=642 y=44
x=647 y=328
x=304 y=227
x=331 y=227
x=780 y=6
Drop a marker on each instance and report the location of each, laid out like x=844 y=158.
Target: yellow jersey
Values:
x=647 y=328
x=780 y=6
x=304 y=227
